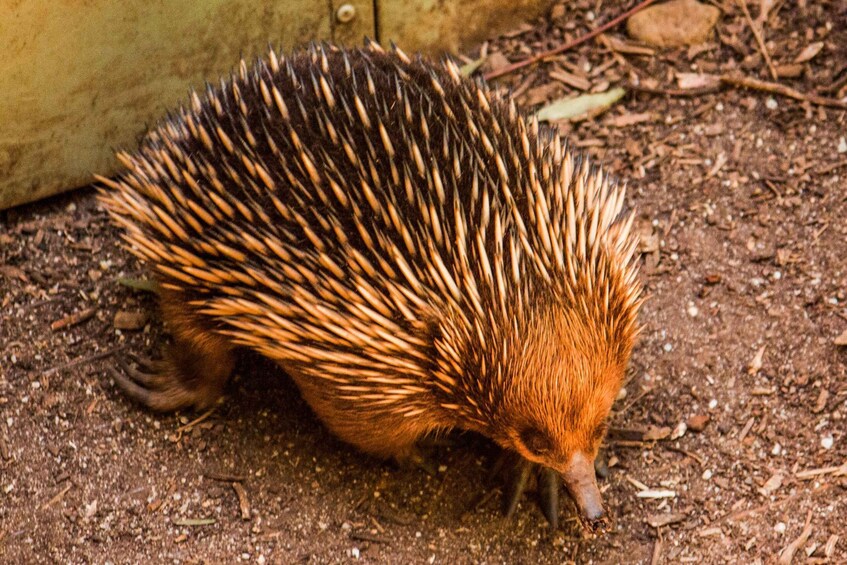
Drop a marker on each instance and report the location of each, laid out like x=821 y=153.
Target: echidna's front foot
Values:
x=519 y=474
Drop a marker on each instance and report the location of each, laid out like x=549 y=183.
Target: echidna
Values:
x=417 y=255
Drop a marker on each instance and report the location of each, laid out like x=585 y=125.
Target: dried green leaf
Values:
x=470 y=68
x=194 y=521
x=571 y=107
x=147 y=285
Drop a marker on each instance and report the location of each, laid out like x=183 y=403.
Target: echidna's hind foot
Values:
x=151 y=384
x=187 y=376
x=194 y=370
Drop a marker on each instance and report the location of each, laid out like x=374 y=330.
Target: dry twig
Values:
x=787 y=555
x=569 y=45
x=759 y=40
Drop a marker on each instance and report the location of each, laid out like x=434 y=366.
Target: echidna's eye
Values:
x=536 y=441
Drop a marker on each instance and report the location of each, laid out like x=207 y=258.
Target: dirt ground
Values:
x=736 y=405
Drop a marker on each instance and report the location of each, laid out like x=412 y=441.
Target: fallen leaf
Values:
x=809 y=52
x=571 y=107
x=470 y=68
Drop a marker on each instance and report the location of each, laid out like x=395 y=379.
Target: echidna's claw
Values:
x=519 y=473
x=152 y=383
x=145 y=375
x=516 y=486
x=129 y=386
x=548 y=495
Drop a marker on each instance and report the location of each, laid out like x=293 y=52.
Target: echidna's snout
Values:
x=581 y=483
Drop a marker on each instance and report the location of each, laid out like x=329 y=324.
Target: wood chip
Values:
x=755 y=364
x=809 y=52
x=772 y=484
x=628 y=48
x=709 y=532
x=692 y=81
x=656 y=493
x=746 y=430
x=630 y=119
x=820 y=403
x=660 y=520
x=787 y=555
x=571 y=79
x=243 y=502
x=194 y=521
x=839 y=471
x=74 y=319
x=829 y=547
x=842 y=339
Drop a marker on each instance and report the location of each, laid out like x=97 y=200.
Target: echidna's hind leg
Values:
x=194 y=370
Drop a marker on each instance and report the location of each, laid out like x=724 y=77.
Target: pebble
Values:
x=779 y=528
x=674 y=23
x=827 y=442
x=842 y=145
x=698 y=422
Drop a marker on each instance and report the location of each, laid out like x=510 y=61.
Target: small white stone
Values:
x=777 y=449
x=713 y=403
x=667 y=347
x=779 y=528
x=693 y=311
x=827 y=441
x=707 y=474
x=842 y=145
x=771 y=103
x=261 y=560
x=354 y=553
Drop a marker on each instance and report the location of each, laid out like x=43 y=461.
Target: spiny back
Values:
x=375 y=220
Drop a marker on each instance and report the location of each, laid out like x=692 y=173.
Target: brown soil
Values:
x=742 y=199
